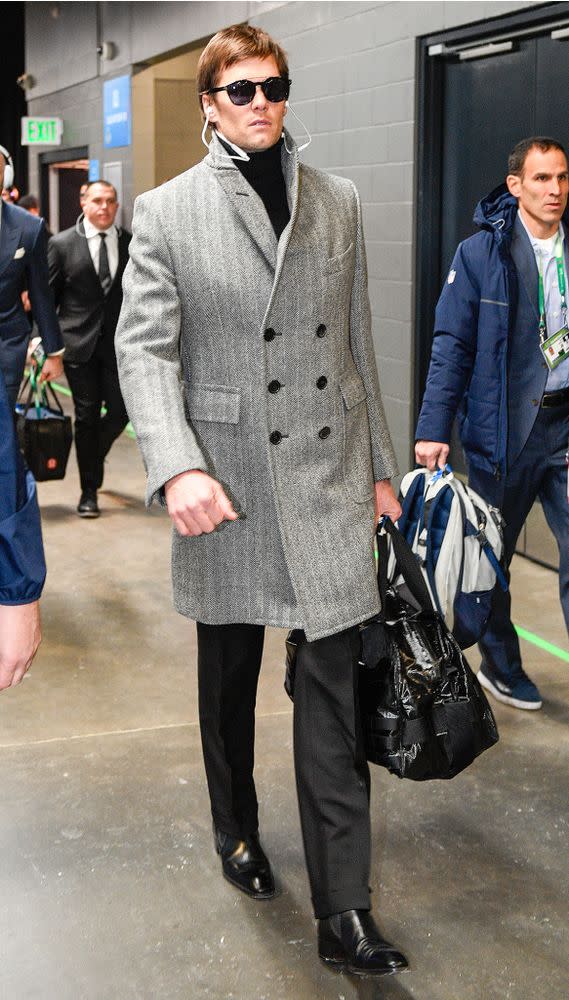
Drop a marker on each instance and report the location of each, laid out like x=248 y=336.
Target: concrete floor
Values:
x=109 y=885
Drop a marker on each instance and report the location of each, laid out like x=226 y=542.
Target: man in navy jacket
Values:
x=497 y=365
x=22 y=565
x=23 y=264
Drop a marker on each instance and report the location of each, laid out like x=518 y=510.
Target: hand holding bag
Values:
x=424 y=713
x=44 y=431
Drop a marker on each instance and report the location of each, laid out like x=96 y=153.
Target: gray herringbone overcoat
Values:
x=253 y=360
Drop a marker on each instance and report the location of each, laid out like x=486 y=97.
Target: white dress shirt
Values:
x=545 y=250
x=94 y=243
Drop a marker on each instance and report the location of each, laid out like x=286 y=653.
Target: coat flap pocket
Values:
x=352 y=388
x=219 y=403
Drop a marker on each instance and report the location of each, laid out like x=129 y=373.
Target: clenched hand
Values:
x=20 y=636
x=433 y=454
x=197 y=503
x=385 y=501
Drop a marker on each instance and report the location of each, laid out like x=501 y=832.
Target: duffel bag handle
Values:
x=33 y=394
x=405 y=562
x=39 y=392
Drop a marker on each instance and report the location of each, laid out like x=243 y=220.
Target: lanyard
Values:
x=562 y=289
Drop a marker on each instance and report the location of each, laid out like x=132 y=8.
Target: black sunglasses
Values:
x=275 y=89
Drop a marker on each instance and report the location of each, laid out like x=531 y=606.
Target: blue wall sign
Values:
x=116 y=112
x=94 y=170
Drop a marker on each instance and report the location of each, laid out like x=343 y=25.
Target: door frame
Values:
x=56 y=156
x=428 y=160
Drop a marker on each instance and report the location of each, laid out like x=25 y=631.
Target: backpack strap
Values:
x=488 y=551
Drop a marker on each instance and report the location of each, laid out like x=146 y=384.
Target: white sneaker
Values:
x=520 y=693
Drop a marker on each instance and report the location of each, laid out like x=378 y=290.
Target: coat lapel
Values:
x=123 y=259
x=291 y=174
x=9 y=237
x=524 y=259
x=85 y=255
x=244 y=201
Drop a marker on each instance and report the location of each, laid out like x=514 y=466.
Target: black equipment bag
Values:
x=44 y=432
x=424 y=712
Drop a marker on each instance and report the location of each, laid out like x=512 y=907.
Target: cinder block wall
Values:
x=354 y=77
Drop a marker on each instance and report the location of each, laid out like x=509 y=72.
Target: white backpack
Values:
x=457 y=539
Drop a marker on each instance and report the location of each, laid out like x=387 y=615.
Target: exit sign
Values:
x=42 y=131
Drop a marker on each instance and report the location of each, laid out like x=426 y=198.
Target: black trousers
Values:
x=93 y=383
x=332 y=775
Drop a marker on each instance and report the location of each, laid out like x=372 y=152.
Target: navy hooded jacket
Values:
x=475 y=318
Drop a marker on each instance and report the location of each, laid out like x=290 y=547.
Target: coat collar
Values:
x=249 y=207
x=10 y=230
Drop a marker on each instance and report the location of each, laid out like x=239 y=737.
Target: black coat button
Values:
x=322 y=382
x=324 y=433
x=274 y=386
x=321 y=331
x=275 y=437
x=269 y=333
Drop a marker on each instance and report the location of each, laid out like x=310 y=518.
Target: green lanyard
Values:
x=562 y=289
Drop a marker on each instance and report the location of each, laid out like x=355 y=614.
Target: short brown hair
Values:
x=231 y=45
x=518 y=156
x=87 y=187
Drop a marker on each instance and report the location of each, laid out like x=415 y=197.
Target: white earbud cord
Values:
x=300 y=121
x=243 y=156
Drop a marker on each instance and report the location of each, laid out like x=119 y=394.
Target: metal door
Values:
x=484 y=97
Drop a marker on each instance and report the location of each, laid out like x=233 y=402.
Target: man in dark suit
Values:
x=23 y=264
x=500 y=362
x=22 y=565
x=86 y=265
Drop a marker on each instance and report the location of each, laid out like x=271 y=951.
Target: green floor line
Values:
x=67 y=392
x=548 y=647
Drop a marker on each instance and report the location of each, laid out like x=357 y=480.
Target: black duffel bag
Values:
x=424 y=712
x=44 y=431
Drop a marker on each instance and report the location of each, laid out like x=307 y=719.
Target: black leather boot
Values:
x=352 y=942
x=245 y=864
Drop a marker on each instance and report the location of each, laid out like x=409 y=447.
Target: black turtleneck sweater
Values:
x=264 y=172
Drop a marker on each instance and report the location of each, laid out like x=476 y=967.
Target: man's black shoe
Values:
x=88 y=506
x=351 y=942
x=245 y=864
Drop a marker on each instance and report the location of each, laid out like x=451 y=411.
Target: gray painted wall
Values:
x=353 y=70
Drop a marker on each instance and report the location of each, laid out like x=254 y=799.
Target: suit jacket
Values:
x=23 y=264
x=85 y=314
x=254 y=360
x=527 y=370
x=22 y=565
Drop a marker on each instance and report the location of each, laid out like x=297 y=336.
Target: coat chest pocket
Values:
x=213 y=403
x=358 y=469
x=340 y=261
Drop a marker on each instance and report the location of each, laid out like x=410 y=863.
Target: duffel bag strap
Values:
x=406 y=564
x=54 y=396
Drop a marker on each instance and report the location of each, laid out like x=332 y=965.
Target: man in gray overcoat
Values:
x=248 y=370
